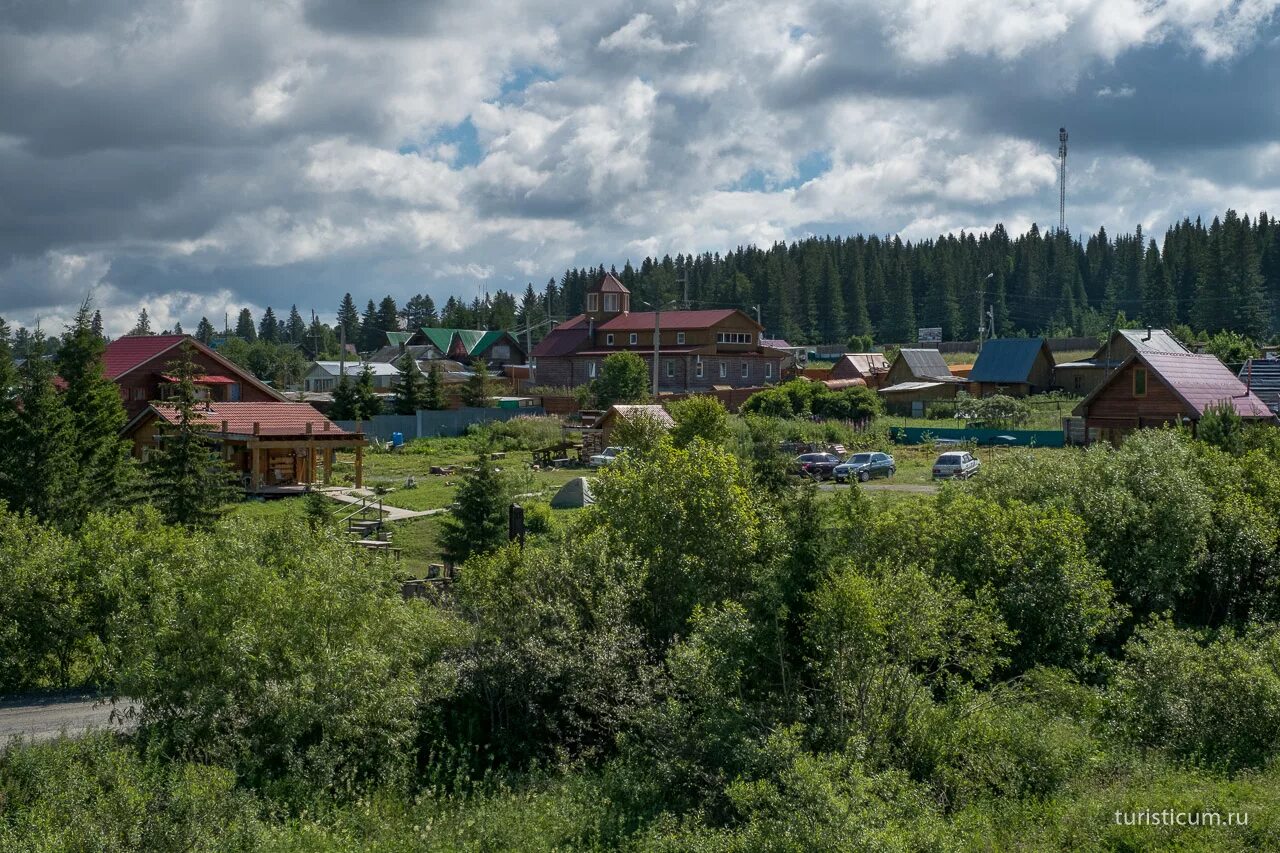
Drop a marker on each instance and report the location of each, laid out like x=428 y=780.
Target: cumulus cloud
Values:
x=200 y=157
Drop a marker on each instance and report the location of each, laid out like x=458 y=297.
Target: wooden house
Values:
x=1152 y=389
x=917 y=378
x=870 y=367
x=1082 y=377
x=1012 y=366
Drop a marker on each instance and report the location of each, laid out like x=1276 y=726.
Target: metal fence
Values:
x=427 y=423
x=1022 y=437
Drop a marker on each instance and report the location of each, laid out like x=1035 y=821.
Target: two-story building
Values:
x=696 y=350
x=140 y=367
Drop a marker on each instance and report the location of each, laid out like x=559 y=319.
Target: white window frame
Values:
x=724 y=370
x=700 y=371
x=634 y=339
x=671 y=369
x=768 y=370
x=746 y=370
x=679 y=337
x=611 y=302
x=608 y=339
x=593 y=302
x=591 y=370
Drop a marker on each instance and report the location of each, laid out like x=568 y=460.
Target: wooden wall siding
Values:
x=1041 y=372
x=900 y=403
x=1078 y=380
x=1117 y=406
x=899 y=372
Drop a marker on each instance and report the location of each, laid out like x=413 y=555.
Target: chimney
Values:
x=1149 y=332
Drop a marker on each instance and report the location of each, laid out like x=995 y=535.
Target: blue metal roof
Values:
x=1007 y=360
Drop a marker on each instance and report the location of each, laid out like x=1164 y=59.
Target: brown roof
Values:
x=853 y=365
x=640 y=320
x=272 y=419
x=124 y=355
x=658 y=413
x=1199 y=380
x=608 y=283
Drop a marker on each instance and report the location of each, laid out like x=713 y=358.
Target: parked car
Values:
x=607 y=457
x=817 y=465
x=864 y=466
x=959 y=464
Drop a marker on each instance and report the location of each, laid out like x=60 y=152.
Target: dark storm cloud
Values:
x=402 y=18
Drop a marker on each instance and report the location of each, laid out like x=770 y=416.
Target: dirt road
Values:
x=38 y=718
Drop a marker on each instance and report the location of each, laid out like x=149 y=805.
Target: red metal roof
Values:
x=1201 y=381
x=640 y=320
x=562 y=340
x=209 y=379
x=124 y=354
x=273 y=419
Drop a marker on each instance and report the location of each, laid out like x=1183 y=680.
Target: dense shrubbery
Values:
x=706 y=659
x=801 y=398
x=527 y=432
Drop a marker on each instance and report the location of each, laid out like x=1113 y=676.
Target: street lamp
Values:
x=982 y=319
x=657 y=335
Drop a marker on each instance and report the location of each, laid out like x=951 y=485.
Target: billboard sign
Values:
x=929 y=335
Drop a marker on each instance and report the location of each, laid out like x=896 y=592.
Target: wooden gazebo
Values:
x=271 y=445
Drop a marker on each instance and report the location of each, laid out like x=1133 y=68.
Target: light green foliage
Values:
x=97 y=794
x=996 y=410
x=286 y=654
x=701 y=417
x=623 y=378
x=1222 y=427
x=527 y=432
x=639 y=432
x=1230 y=347
x=801 y=397
x=281 y=364
x=692 y=516
x=1214 y=702
x=1055 y=598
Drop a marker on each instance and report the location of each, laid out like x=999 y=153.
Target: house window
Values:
x=591 y=369
x=699 y=370
x=680 y=337
x=1139 y=382
x=671 y=369
x=634 y=339
x=608 y=340
x=733 y=337
x=724 y=369
x=746 y=369
x=611 y=302
x=593 y=302
x=768 y=370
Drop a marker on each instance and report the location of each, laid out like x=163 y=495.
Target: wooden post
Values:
x=328 y=464
x=311 y=456
x=255 y=468
x=359 y=466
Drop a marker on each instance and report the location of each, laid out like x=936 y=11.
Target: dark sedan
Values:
x=817 y=465
x=864 y=466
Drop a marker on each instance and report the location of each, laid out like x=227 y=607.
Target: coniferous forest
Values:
x=1220 y=275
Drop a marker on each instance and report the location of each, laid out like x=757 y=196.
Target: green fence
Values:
x=1023 y=437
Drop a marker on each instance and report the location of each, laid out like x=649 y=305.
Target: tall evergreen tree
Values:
x=204 y=331
x=105 y=478
x=433 y=396
x=267 y=327
x=371 y=336
x=477 y=523
x=143 y=326
x=40 y=475
x=95 y=325
x=900 y=315
x=190 y=483
x=478 y=390
x=420 y=311
x=349 y=320
x=411 y=391
x=245 y=330
x=296 y=328
x=388 y=317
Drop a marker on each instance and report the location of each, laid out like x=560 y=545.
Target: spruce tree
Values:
x=433 y=396
x=477 y=523
x=40 y=454
x=95 y=325
x=296 y=328
x=478 y=390
x=900 y=317
x=105 y=469
x=411 y=388
x=388 y=318
x=189 y=482
x=143 y=326
x=204 y=331
x=371 y=337
x=349 y=320
x=267 y=328
x=367 y=400
x=344 y=406
x=245 y=329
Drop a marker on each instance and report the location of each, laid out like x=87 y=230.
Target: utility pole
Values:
x=981 y=316
x=657 y=337
x=684 y=280
x=1062 y=179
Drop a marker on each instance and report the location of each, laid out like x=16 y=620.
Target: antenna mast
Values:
x=1062 y=179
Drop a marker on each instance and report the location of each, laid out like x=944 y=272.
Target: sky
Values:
x=196 y=157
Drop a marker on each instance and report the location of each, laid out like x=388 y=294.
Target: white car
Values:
x=608 y=457
x=958 y=464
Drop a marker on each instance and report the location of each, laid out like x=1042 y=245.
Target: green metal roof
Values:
x=469 y=338
x=398 y=339
x=442 y=338
x=490 y=338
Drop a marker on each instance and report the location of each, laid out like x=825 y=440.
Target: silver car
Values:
x=957 y=464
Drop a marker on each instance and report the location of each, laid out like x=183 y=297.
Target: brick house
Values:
x=139 y=365
x=697 y=350
x=1153 y=389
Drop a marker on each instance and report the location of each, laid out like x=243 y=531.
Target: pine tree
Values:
x=477 y=523
x=419 y=311
x=344 y=407
x=143 y=326
x=371 y=336
x=296 y=329
x=388 y=319
x=189 y=481
x=39 y=457
x=204 y=331
x=245 y=330
x=433 y=396
x=411 y=389
x=368 y=402
x=105 y=480
x=349 y=319
x=267 y=328
x=478 y=390
x=95 y=325
x=1161 y=308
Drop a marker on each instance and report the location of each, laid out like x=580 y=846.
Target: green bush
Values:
x=940 y=411
x=527 y=432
